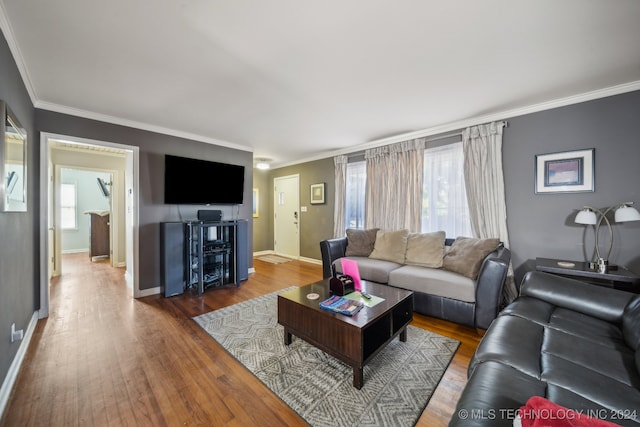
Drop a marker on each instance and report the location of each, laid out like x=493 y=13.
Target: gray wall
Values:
x=539 y=225
x=262 y=240
x=19 y=269
x=153 y=147
x=317 y=223
x=542 y=225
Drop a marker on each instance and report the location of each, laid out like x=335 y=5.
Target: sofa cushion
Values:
x=466 y=255
x=374 y=270
x=571 y=322
x=586 y=356
x=434 y=281
x=360 y=242
x=631 y=323
x=425 y=249
x=390 y=246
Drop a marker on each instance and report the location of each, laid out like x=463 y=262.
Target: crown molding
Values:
x=473 y=121
x=138 y=125
x=7 y=30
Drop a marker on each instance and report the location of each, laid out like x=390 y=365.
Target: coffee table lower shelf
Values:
x=353 y=340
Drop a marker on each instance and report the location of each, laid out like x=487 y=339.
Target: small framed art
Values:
x=317 y=194
x=566 y=172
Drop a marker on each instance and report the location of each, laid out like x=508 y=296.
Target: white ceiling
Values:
x=301 y=79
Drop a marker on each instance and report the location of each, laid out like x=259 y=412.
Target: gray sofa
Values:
x=437 y=292
x=571 y=342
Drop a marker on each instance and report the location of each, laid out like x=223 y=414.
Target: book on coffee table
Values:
x=341 y=305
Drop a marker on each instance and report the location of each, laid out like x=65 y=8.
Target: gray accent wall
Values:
x=542 y=225
x=153 y=146
x=317 y=223
x=19 y=269
x=262 y=240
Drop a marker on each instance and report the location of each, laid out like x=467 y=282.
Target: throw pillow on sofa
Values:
x=390 y=246
x=360 y=242
x=425 y=249
x=466 y=255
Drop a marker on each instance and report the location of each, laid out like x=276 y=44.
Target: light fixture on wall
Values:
x=593 y=216
x=262 y=164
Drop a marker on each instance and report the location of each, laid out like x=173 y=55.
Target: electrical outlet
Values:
x=16 y=335
x=303 y=208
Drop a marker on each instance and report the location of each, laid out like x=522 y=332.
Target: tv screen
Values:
x=201 y=182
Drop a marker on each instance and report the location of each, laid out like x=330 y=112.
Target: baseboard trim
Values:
x=311 y=260
x=74 y=251
x=260 y=253
x=148 y=292
x=14 y=369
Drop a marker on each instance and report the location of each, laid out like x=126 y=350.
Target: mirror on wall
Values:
x=13 y=162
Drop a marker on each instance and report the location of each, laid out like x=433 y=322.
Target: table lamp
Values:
x=593 y=216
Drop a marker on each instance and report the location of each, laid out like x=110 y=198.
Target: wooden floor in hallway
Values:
x=103 y=358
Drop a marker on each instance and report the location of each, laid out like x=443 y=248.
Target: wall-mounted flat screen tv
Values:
x=201 y=182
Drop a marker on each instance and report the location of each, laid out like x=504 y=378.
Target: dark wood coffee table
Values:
x=354 y=340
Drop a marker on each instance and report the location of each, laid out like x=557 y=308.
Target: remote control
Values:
x=365 y=295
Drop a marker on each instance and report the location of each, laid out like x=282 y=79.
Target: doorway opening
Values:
x=113 y=184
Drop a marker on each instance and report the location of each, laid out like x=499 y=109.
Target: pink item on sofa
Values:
x=541 y=412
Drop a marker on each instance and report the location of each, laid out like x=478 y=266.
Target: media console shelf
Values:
x=202 y=254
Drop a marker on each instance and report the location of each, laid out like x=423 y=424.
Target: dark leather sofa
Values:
x=478 y=313
x=571 y=342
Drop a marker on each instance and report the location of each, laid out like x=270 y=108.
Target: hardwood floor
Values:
x=103 y=358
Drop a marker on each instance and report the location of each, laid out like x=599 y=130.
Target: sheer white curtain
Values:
x=394 y=186
x=484 y=179
x=339 y=213
x=445 y=199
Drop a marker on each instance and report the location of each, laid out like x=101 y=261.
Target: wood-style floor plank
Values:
x=105 y=359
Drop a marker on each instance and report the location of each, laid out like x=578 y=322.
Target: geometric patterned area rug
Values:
x=398 y=382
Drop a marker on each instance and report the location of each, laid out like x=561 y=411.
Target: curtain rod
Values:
x=457 y=133
x=427 y=139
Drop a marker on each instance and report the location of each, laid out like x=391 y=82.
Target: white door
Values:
x=286 y=212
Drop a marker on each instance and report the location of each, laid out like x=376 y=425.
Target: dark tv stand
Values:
x=199 y=255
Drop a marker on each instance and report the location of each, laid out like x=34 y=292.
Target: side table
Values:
x=620 y=278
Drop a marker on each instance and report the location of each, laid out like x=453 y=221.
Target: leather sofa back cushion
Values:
x=466 y=255
x=390 y=246
x=360 y=242
x=425 y=249
x=631 y=324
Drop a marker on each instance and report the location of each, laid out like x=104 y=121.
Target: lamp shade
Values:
x=627 y=213
x=586 y=216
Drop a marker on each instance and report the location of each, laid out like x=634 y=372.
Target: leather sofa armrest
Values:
x=489 y=285
x=332 y=249
x=597 y=301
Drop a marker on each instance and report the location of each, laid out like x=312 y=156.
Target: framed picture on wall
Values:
x=566 y=172
x=317 y=194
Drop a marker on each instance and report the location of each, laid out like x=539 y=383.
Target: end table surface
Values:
x=581 y=269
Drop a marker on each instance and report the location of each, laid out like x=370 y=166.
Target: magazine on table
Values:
x=341 y=305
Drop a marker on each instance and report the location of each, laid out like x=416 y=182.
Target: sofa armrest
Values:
x=489 y=285
x=597 y=301
x=331 y=249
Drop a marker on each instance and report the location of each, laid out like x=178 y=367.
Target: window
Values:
x=355 y=194
x=68 y=208
x=444 y=200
